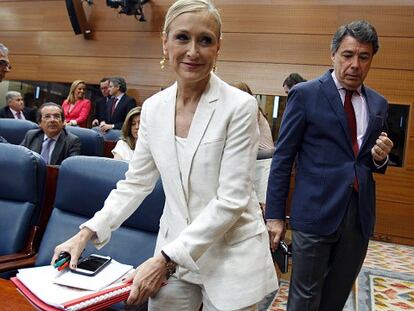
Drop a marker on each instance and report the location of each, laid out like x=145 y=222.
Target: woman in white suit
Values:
x=201 y=136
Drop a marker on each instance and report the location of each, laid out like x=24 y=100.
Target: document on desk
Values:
x=108 y=275
x=62 y=291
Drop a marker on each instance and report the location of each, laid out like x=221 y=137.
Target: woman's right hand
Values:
x=74 y=246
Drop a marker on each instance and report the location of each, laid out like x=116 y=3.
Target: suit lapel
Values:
x=168 y=122
x=120 y=103
x=331 y=93
x=57 y=151
x=38 y=141
x=202 y=117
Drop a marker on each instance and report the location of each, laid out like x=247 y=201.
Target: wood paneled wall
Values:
x=263 y=41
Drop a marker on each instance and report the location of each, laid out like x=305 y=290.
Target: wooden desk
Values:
x=11 y=299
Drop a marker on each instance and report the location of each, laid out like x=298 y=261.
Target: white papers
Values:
x=40 y=281
x=109 y=274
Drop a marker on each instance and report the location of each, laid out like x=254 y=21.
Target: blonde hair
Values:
x=190 y=6
x=126 y=127
x=71 y=97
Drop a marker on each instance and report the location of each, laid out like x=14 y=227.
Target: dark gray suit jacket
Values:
x=66 y=146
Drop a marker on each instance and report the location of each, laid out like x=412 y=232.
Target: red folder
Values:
x=96 y=301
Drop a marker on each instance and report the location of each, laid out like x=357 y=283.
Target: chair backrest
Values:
x=22 y=178
x=83 y=185
x=14 y=130
x=92 y=142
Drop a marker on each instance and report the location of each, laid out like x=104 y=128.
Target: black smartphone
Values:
x=281 y=256
x=92 y=264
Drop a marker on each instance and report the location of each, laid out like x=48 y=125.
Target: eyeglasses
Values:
x=5 y=64
x=48 y=117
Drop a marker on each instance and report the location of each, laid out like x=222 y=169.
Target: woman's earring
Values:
x=214 y=67
x=163 y=61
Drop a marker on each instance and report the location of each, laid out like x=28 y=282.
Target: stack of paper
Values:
x=65 y=290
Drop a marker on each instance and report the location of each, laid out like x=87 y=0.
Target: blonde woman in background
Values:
x=76 y=107
x=125 y=147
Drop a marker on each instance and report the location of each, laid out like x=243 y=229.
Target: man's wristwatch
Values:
x=169 y=265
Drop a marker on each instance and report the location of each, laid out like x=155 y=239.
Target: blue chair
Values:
x=92 y=142
x=14 y=130
x=22 y=180
x=83 y=185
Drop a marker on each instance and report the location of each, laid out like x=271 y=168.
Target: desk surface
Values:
x=11 y=299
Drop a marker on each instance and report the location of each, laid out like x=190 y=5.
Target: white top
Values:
x=122 y=151
x=180 y=144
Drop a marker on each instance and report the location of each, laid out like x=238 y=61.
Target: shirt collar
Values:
x=120 y=96
x=55 y=138
x=14 y=111
x=339 y=86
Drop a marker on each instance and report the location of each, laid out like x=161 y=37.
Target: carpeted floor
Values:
x=386 y=281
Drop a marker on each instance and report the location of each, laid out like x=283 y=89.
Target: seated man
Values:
x=15 y=108
x=52 y=141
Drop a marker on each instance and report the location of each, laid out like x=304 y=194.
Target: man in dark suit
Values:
x=4 y=61
x=15 y=108
x=119 y=106
x=52 y=141
x=102 y=103
x=336 y=127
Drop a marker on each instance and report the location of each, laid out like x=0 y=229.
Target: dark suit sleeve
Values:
x=131 y=103
x=3 y=112
x=383 y=168
x=287 y=146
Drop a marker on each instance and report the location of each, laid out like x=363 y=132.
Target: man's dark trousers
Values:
x=325 y=267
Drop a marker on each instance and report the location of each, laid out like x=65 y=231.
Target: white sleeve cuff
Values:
x=179 y=254
x=102 y=233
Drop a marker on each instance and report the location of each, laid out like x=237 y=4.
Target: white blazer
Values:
x=211 y=224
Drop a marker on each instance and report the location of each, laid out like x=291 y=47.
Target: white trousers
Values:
x=180 y=295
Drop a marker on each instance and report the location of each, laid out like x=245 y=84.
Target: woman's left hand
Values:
x=147 y=280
